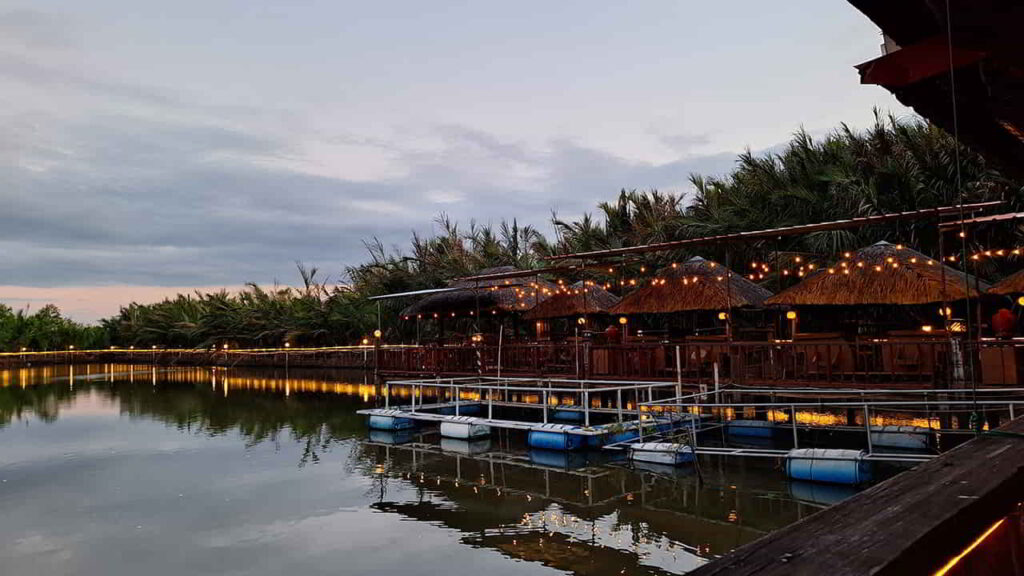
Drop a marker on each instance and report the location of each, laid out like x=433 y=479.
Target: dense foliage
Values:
x=893 y=166
x=46 y=329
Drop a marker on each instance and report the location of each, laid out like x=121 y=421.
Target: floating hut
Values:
x=697 y=286
x=694 y=285
x=884 y=293
x=579 y=299
x=498 y=297
x=881 y=274
x=583 y=304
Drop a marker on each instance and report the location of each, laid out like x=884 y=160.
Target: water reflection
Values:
x=203 y=470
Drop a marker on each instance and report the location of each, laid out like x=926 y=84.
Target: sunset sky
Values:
x=149 y=148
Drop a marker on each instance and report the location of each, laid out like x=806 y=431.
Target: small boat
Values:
x=668 y=453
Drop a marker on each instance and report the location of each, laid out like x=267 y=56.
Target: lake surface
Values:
x=110 y=470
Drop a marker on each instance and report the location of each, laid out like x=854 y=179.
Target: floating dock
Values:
x=914 y=523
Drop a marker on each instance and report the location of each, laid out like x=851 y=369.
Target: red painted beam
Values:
x=912 y=64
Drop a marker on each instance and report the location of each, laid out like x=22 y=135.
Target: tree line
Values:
x=894 y=165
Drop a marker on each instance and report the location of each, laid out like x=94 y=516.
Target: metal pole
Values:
x=792 y=416
x=455 y=394
x=639 y=416
x=490 y=404
x=618 y=403
x=387 y=394
x=867 y=427
x=545 y=406
x=501 y=334
x=679 y=373
x=586 y=409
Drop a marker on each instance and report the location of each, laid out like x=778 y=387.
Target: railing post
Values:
x=792 y=416
x=490 y=404
x=387 y=394
x=867 y=427
x=586 y=408
x=618 y=403
x=455 y=394
x=545 y=395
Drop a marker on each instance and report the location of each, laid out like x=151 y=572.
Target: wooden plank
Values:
x=910 y=524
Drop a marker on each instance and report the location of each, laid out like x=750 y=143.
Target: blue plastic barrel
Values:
x=383 y=422
x=828 y=465
x=553 y=437
x=567 y=415
x=751 y=428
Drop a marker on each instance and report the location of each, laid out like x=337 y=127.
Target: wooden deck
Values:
x=911 y=524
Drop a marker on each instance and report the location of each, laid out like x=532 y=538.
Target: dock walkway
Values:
x=911 y=524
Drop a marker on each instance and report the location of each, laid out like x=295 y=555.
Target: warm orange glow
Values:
x=623 y=320
x=791 y=315
x=926 y=328
x=949 y=565
x=722 y=315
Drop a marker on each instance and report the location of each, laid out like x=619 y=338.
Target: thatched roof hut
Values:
x=1012 y=284
x=494 y=295
x=580 y=299
x=880 y=274
x=696 y=284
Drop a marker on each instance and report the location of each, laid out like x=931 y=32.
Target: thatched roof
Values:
x=576 y=300
x=1012 y=284
x=880 y=274
x=696 y=284
x=503 y=295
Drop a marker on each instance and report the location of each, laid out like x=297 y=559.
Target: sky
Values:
x=150 y=148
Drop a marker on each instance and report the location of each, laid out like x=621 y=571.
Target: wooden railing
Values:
x=896 y=362
x=832 y=363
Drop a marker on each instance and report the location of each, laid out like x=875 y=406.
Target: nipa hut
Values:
x=578 y=300
x=881 y=274
x=489 y=296
x=695 y=285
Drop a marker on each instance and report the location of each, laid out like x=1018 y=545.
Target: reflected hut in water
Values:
x=480 y=305
x=572 y=310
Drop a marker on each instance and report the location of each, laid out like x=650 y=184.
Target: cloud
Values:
x=111 y=183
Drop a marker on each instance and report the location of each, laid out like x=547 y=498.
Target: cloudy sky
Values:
x=152 y=147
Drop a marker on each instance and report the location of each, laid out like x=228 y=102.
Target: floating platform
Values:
x=547 y=436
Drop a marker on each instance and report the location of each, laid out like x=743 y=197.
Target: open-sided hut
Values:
x=694 y=285
x=884 y=290
x=577 y=300
x=881 y=274
x=489 y=296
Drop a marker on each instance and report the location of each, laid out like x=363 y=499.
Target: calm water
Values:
x=108 y=470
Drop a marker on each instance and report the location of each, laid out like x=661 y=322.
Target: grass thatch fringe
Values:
x=1012 y=284
x=517 y=295
x=576 y=300
x=696 y=284
x=880 y=274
